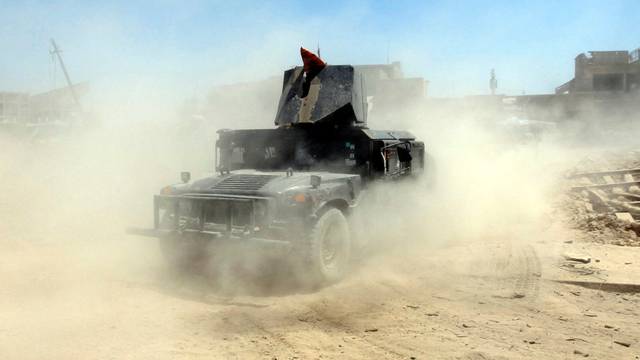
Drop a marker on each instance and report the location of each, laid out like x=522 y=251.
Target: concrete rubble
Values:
x=606 y=203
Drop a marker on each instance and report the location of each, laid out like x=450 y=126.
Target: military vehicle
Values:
x=295 y=188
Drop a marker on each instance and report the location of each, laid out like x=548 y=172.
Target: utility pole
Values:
x=493 y=82
x=56 y=51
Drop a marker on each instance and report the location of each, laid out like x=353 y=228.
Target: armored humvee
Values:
x=293 y=188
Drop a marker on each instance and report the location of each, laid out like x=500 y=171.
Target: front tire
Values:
x=328 y=251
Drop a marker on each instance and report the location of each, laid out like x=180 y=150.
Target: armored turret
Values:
x=321 y=93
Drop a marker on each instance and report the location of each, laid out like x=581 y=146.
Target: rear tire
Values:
x=328 y=251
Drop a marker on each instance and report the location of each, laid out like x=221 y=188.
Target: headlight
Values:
x=299 y=198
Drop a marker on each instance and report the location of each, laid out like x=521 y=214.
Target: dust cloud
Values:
x=81 y=190
x=69 y=269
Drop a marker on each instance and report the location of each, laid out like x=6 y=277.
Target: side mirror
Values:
x=315 y=181
x=185 y=176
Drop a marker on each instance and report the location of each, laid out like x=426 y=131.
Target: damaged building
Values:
x=606 y=85
x=388 y=83
x=54 y=105
x=604 y=71
x=14 y=107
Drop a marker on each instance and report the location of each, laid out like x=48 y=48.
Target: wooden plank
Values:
x=599 y=200
x=624 y=206
x=605 y=172
x=627 y=195
x=625 y=216
x=606 y=186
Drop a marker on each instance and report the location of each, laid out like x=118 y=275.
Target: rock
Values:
x=578 y=258
x=371 y=330
x=624 y=216
x=575 y=339
x=578 y=352
x=623 y=343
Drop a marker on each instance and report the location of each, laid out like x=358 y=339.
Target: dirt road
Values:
x=74 y=286
x=70 y=302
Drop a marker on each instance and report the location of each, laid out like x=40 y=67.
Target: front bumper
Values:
x=213 y=236
x=224 y=219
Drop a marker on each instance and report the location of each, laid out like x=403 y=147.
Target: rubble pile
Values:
x=606 y=203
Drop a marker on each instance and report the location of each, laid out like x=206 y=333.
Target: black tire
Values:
x=328 y=251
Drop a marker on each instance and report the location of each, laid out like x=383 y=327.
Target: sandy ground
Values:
x=79 y=290
x=70 y=302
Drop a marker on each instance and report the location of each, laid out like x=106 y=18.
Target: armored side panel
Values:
x=335 y=94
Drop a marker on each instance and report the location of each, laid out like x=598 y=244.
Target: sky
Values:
x=190 y=46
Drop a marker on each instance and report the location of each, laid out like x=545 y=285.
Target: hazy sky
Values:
x=193 y=45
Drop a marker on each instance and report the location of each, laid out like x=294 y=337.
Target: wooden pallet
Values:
x=612 y=191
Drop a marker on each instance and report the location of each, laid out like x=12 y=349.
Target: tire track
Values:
x=369 y=344
x=528 y=279
x=521 y=278
x=270 y=335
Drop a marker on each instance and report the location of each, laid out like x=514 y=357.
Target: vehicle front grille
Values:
x=203 y=213
x=243 y=182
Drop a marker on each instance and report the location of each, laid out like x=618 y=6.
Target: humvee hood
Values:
x=262 y=183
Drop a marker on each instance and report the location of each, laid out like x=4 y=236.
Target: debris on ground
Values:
x=578 y=352
x=577 y=257
x=622 y=343
x=606 y=203
x=578 y=268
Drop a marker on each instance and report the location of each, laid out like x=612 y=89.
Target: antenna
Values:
x=363 y=98
x=319 y=50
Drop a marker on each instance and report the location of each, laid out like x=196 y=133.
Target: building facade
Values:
x=57 y=104
x=387 y=81
x=14 y=107
x=604 y=71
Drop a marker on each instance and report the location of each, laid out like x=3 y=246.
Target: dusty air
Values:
x=378 y=181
